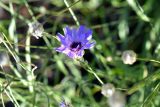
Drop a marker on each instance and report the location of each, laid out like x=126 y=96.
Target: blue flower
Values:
x=74 y=41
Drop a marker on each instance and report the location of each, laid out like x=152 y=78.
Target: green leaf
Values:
x=151 y=96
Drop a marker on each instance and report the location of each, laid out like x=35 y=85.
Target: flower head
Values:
x=74 y=41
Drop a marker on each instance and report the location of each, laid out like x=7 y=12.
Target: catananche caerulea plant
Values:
x=75 y=40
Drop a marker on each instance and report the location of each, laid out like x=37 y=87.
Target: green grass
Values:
x=38 y=76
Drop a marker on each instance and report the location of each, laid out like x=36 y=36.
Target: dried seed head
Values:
x=108 y=89
x=117 y=100
x=129 y=57
x=4 y=59
x=36 y=29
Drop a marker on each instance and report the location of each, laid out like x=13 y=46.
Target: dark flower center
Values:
x=74 y=46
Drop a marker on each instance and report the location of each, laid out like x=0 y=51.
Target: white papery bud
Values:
x=108 y=89
x=129 y=57
x=117 y=100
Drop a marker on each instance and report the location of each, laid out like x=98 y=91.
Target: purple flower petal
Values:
x=72 y=55
x=60 y=49
x=88 y=35
x=66 y=51
x=75 y=37
x=89 y=45
x=68 y=33
x=80 y=53
x=85 y=33
x=61 y=38
x=69 y=53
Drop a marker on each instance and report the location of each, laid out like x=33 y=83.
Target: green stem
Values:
x=28 y=60
x=72 y=13
x=148 y=60
x=2 y=96
x=90 y=70
x=29 y=10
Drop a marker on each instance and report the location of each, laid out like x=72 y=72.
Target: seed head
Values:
x=36 y=29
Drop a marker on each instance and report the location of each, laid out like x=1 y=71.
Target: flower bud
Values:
x=129 y=57
x=117 y=100
x=108 y=89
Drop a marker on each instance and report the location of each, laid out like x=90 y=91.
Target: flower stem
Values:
x=90 y=70
x=148 y=60
x=72 y=13
x=28 y=60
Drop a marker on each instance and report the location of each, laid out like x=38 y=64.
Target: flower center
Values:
x=75 y=46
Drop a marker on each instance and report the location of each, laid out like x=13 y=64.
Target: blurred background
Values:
x=117 y=25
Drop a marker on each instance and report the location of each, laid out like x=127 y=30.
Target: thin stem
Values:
x=28 y=60
x=49 y=35
x=9 y=94
x=7 y=87
x=61 y=12
x=30 y=11
x=31 y=46
x=10 y=51
x=13 y=55
x=10 y=91
x=16 y=14
x=150 y=60
x=2 y=97
x=151 y=95
x=72 y=13
x=12 y=29
x=27 y=48
x=9 y=97
x=90 y=70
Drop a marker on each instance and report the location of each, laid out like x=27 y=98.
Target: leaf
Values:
x=151 y=96
x=144 y=82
